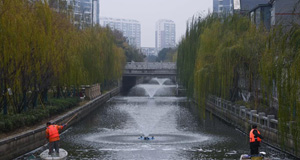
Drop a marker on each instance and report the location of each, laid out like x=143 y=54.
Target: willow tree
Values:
x=217 y=52
x=187 y=49
x=280 y=73
x=229 y=47
x=16 y=52
x=40 y=48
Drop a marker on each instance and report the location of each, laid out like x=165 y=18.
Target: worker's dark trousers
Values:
x=54 y=145
x=254 y=148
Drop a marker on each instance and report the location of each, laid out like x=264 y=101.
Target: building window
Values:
x=221 y=9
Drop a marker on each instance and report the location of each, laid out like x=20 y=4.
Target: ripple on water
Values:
x=158 y=139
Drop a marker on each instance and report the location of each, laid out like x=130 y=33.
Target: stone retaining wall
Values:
x=14 y=146
x=243 y=118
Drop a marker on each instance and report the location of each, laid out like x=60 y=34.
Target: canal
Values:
x=112 y=132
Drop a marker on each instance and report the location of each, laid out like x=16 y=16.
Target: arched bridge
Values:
x=150 y=69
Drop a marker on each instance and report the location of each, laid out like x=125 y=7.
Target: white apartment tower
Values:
x=165 y=34
x=131 y=29
x=96 y=11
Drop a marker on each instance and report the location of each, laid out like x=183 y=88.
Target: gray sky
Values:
x=147 y=12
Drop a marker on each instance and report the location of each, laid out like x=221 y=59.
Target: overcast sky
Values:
x=147 y=12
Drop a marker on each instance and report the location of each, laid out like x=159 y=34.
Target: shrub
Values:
x=12 y=122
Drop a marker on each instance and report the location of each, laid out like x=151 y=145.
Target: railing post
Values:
x=269 y=118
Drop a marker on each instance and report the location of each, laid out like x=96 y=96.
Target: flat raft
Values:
x=261 y=156
x=63 y=154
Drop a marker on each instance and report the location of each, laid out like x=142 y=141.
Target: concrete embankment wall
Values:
x=22 y=143
x=243 y=118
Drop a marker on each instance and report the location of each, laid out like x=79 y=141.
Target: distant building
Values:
x=149 y=51
x=77 y=14
x=215 y=6
x=86 y=12
x=261 y=15
x=223 y=6
x=285 y=12
x=131 y=29
x=248 y=5
x=165 y=34
x=276 y=12
x=96 y=11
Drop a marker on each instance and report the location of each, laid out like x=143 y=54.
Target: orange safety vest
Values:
x=252 y=137
x=53 y=133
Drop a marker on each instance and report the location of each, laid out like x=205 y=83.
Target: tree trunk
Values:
x=35 y=98
x=235 y=89
x=45 y=95
x=58 y=91
x=4 y=98
x=24 y=102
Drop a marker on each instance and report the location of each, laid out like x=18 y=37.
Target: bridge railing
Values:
x=149 y=71
x=150 y=65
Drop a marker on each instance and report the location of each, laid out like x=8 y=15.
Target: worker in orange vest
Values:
x=52 y=134
x=255 y=139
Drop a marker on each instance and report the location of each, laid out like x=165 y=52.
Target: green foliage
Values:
x=131 y=53
x=187 y=55
x=217 y=51
x=60 y=105
x=12 y=122
x=280 y=69
x=214 y=51
x=40 y=48
x=166 y=55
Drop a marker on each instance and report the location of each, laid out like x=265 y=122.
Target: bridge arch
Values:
x=138 y=72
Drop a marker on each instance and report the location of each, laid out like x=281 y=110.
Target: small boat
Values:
x=63 y=154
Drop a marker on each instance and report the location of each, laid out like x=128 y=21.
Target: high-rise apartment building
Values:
x=165 y=34
x=131 y=29
x=86 y=12
x=223 y=6
x=96 y=11
x=75 y=6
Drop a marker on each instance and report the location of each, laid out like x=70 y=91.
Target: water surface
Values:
x=112 y=131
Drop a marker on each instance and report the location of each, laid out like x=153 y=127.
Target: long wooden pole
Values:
x=71 y=118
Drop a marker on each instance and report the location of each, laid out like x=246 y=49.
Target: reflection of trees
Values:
x=40 y=48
